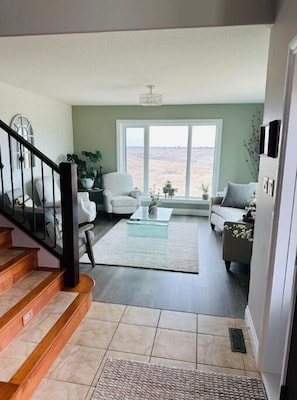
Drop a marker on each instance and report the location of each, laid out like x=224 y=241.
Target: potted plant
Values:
x=205 y=189
x=168 y=190
x=154 y=201
x=88 y=168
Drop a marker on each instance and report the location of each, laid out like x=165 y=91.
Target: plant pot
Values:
x=87 y=183
x=153 y=209
x=205 y=196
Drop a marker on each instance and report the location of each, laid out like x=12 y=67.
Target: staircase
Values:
x=28 y=294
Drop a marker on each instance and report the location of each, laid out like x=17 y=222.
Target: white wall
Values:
x=52 y=125
x=268 y=263
x=58 y=16
x=51 y=120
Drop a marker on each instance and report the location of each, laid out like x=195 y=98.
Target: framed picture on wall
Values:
x=269 y=139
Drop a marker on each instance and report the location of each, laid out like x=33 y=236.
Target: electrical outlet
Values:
x=27 y=317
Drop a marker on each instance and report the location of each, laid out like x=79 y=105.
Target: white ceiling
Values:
x=188 y=66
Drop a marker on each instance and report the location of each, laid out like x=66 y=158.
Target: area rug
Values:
x=177 y=253
x=133 y=380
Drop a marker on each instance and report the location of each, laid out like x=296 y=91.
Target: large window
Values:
x=185 y=152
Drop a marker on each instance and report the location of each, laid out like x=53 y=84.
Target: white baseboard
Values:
x=252 y=331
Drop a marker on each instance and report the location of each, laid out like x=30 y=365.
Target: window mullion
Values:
x=189 y=157
x=146 y=159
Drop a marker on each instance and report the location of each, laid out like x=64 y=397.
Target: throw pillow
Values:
x=238 y=195
x=26 y=200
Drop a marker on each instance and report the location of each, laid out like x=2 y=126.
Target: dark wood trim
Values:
x=70 y=258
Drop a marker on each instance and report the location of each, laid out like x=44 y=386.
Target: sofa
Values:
x=231 y=204
x=228 y=214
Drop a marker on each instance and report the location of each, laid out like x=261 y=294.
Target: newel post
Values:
x=70 y=258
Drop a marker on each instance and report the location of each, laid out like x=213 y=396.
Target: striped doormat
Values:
x=133 y=380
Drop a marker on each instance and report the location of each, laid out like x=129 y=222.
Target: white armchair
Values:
x=49 y=194
x=119 y=194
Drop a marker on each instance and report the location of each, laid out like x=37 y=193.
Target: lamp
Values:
x=150 y=99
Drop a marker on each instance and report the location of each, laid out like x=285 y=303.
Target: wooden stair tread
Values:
x=13 y=321
x=13 y=255
x=17 y=292
x=9 y=254
x=16 y=268
x=31 y=372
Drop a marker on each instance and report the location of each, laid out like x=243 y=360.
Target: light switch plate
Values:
x=265 y=184
x=270 y=187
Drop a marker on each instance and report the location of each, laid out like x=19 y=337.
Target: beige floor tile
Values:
x=94 y=333
x=50 y=389
x=90 y=393
x=118 y=354
x=212 y=325
x=133 y=339
x=175 y=345
x=253 y=374
x=141 y=316
x=172 y=363
x=12 y=357
x=215 y=350
x=241 y=324
x=77 y=364
x=106 y=311
x=180 y=321
x=248 y=358
x=221 y=370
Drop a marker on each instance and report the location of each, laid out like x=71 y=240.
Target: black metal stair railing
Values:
x=40 y=197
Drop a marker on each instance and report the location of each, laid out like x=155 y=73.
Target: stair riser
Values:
x=15 y=326
x=5 y=239
x=18 y=270
x=28 y=382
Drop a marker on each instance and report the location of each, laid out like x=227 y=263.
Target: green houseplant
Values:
x=168 y=190
x=88 y=168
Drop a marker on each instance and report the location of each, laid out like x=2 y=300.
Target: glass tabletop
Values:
x=163 y=215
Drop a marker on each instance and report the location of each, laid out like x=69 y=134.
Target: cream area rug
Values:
x=177 y=253
x=133 y=380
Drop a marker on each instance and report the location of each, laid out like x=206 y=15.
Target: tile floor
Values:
x=143 y=334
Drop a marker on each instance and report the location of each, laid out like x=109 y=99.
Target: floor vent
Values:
x=237 y=340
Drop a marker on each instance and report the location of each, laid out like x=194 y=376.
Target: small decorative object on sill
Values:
x=204 y=188
x=168 y=190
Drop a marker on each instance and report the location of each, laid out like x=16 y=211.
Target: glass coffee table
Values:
x=141 y=224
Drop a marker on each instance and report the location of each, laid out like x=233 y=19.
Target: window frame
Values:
x=122 y=125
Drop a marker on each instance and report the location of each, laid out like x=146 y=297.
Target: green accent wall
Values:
x=94 y=127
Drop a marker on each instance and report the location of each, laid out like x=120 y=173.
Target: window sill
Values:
x=179 y=200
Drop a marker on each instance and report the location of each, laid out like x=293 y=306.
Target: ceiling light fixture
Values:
x=150 y=99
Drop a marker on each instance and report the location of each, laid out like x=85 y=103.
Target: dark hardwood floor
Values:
x=213 y=291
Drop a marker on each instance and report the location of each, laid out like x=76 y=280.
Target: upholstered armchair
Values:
x=50 y=195
x=237 y=242
x=119 y=194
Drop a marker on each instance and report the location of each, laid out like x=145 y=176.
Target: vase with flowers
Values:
x=154 y=201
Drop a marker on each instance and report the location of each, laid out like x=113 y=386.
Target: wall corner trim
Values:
x=253 y=334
